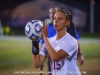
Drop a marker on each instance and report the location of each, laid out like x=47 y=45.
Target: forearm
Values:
x=35 y=52
x=79 y=49
x=80 y=55
x=36 y=61
x=53 y=54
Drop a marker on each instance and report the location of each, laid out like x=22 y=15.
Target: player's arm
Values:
x=53 y=54
x=79 y=49
x=38 y=59
x=80 y=55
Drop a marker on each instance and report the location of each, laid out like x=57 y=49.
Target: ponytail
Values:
x=71 y=29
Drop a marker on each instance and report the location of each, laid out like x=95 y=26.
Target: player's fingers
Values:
x=82 y=61
x=43 y=23
x=40 y=27
x=47 y=24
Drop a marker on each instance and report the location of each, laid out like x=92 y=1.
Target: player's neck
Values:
x=60 y=35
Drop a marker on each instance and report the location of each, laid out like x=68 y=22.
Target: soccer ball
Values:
x=33 y=31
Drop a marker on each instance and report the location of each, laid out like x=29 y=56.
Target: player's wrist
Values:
x=35 y=51
x=79 y=54
x=45 y=36
x=35 y=44
x=35 y=47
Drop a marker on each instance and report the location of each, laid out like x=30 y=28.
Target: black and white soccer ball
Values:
x=33 y=31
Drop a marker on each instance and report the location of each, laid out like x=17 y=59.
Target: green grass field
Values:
x=16 y=56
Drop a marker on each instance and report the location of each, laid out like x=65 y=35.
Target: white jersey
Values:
x=67 y=65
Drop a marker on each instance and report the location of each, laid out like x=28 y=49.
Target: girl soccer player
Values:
x=62 y=48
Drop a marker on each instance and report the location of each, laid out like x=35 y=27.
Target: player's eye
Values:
x=59 y=18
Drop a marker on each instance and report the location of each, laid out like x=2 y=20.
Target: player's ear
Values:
x=67 y=22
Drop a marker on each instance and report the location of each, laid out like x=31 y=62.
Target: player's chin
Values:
x=57 y=29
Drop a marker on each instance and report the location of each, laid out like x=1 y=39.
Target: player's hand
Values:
x=44 y=29
x=80 y=59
